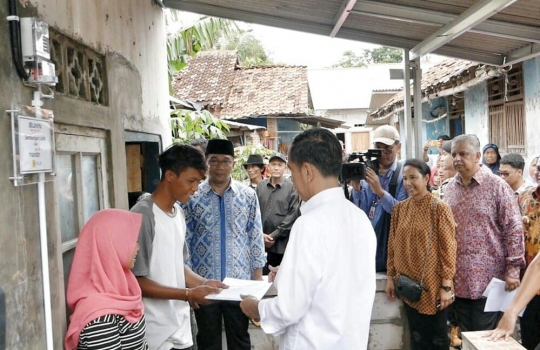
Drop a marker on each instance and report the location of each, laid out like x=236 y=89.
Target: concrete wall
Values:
x=349 y=116
x=531 y=75
x=430 y=112
x=131 y=35
x=477 y=112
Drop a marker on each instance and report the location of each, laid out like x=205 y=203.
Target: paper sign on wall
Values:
x=35 y=145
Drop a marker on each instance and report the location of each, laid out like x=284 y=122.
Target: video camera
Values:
x=357 y=170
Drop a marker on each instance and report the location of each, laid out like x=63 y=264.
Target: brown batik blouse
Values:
x=409 y=235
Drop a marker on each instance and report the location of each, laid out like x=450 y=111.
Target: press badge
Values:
x=371 y=213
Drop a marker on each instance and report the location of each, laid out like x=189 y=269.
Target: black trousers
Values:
x=471 y=317
x=209 y=323
x=273 y=259
x=428 y=332
x=530 y=324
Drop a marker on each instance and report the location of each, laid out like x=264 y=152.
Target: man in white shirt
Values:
x=326 y=281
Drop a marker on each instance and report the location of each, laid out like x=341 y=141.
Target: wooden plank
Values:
x=134 y=172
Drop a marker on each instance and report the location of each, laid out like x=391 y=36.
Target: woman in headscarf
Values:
x=102 y=292
x=491 y=157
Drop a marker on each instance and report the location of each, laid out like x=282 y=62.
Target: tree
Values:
x=379 y=55
x=188 y=40
x=188 y=125
x=251 y=51
x=350 y=60
x=383 y=54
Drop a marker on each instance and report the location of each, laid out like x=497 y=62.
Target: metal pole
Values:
x=408 y=134
x=417 y=82
x=36 y=102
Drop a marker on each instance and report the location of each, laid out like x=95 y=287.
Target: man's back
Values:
x=326 y=282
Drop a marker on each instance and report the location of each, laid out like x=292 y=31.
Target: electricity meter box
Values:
x=36 y=51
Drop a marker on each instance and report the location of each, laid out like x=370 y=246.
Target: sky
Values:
x=298 y=48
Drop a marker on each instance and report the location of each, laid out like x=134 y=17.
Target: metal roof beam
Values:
x=342 y=15
x=469 y=19
x=440 y=19
x=322 y=29
x=522 y=54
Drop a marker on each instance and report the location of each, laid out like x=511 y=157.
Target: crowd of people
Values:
x=440 y=227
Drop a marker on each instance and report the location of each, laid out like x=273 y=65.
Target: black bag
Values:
x=406 y=287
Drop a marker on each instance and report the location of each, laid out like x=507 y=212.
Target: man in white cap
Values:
x=379 y=192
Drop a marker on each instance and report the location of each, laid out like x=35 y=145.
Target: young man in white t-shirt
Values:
x=159 y=267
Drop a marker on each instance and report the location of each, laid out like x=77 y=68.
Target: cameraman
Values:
x=377 y=194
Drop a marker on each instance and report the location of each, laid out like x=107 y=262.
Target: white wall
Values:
x=531 y=75
x=477 y=112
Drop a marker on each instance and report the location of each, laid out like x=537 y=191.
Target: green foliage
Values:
x=384 y=54
x=189 y=40
x=250 y=50
x=379 y=55
x=350 y=60
x=241 y=155
x=189 y=125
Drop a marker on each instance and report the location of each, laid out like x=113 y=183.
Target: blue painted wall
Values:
x=477 y=112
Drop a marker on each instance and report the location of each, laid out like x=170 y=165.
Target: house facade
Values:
x=499 y=105
x=111 y=112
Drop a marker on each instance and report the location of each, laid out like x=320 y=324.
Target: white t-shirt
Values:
x=161 y=259
x=326 y=281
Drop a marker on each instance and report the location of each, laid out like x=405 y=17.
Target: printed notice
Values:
x=35 y=145
x=236 y=287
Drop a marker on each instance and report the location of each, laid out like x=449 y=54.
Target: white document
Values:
x=236 y=287
x=498 y=299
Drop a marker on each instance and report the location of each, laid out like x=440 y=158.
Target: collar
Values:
x=481 y=174
x=205 y=187
x=392 y=168
x=326 y=196
x=280 y=184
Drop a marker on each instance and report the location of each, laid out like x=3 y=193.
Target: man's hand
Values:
x=504 y=329
x=426 y=145
x=373 y=181
x=445 y=298
x=273 y=273
x=511 y=283
x=215 y=283
x=196 y=296
x=268 y=240
x=250 y=306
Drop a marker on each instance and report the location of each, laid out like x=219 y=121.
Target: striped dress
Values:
x=113 y=332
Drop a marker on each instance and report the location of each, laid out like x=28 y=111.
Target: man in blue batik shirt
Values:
x=377 y=194
x=225 y=239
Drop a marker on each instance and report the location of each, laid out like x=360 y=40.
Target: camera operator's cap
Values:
x=447 y=146
x=220 y=146
x=277 y=156
x=386 y=134
x=254 y=159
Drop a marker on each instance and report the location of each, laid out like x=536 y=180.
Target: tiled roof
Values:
x=214 y=78
x=449 y=73
x=207 y=78
x=268 y=91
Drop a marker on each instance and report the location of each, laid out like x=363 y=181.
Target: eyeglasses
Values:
x=215 y=163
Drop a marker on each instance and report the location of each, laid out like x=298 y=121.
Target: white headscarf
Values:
x=530 y=180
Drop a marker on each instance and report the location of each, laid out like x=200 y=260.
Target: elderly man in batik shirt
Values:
x=489 y=234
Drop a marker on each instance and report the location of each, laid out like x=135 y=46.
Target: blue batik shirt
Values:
x=224 y=233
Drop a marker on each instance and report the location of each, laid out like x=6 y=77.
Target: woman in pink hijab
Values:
x=102 y=291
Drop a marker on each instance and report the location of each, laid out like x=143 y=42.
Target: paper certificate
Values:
x=237 y=287
x=498 y=299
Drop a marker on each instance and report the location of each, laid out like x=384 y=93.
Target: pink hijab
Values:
x=99 y=284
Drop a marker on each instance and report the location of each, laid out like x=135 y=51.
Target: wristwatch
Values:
x=446 y=288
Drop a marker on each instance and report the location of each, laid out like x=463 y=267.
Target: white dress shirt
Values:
x=326 y=281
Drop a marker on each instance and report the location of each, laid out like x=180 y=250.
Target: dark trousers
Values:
x=471 y=317
x=428 y=332
x=209 y=323
x=530 y=324
x=272 y=259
